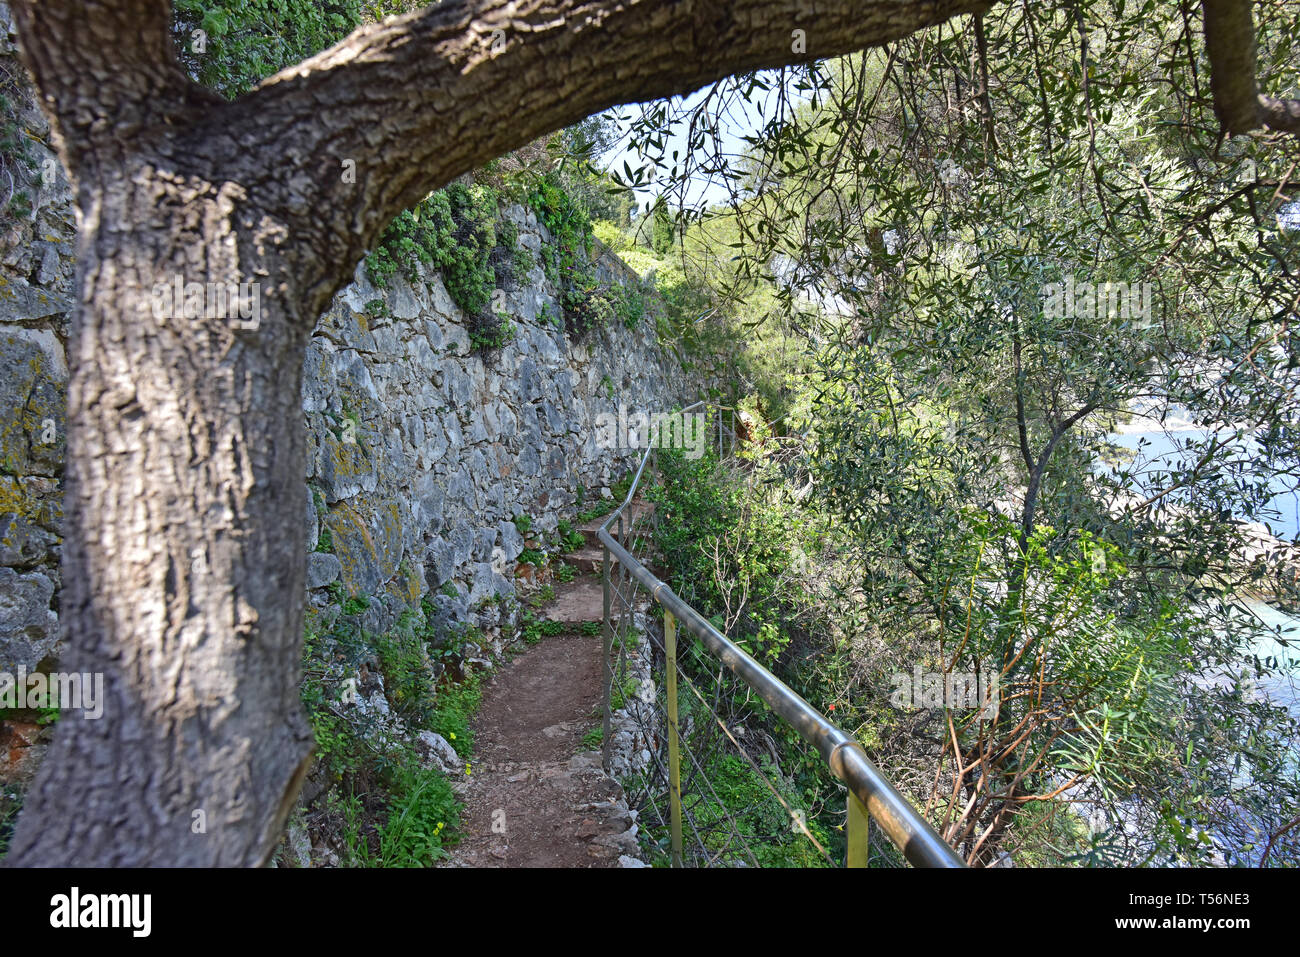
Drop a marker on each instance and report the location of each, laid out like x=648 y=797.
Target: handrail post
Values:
x=859 y=844
x=607 y=644
x=674 y=758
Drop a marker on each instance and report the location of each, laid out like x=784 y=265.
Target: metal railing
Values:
x=870 y=794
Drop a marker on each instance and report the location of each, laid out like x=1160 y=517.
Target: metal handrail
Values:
x=910 y=832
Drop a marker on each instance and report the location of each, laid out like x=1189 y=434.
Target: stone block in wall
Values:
x=345 y=468
x=512 y=543
x=322 y=569
x=407 y=586
x=485 y=540
x=488 y=583
x=33 y=383
x=24 y=543
x=429 y=498
x=313 y=517
x=439 y=564
x=29 y=630
x=367 y=539
x=461 y=538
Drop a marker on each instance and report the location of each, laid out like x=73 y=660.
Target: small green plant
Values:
x=531 y=556
x=325 y=541
x=523 y=265
x=421 y=806
x=595 y=510
x=356 y=605
x=570 y=539
x=627 y=640
x=534 y=629
x=591 y=628
x=543 y=595
x=488 y=331
x=404 y=663
x=592 y=740
x=16 y=160
x=524 y=524
x=418 y=819
x=622 y=692
x=546 y=316
x=630 y=305
x=454 y=708
x=565 y=572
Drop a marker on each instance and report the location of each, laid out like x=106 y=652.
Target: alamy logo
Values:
x=660 y=430
x=178 y=299
x=954 y=690
x=64 y=691
x=75 y=910
x=1085 y=300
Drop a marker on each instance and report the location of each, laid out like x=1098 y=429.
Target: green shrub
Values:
x=630 y=305
x=567 y=258
x=453 y=230
x=404 y=663
x=248 y=40
x=408 y=822
x=489 y=330
x=421 y=809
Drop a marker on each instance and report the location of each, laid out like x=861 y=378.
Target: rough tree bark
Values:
x=183 y=558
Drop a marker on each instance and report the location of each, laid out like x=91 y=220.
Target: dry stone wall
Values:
x=424 y=451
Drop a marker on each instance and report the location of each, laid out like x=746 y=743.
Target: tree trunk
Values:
x=184 y=561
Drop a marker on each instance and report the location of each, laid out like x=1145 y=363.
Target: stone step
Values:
x=576 y=603
x=587 y=559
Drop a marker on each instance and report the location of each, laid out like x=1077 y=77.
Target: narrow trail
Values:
x=535 y=797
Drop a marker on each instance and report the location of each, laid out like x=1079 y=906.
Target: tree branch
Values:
x=418 y=100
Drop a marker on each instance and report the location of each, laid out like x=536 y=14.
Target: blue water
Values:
x=1160 y=451
x=1280 y=686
